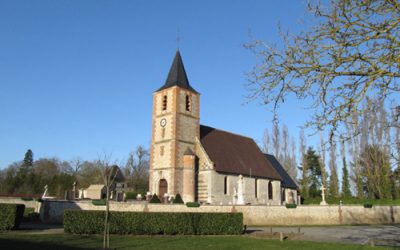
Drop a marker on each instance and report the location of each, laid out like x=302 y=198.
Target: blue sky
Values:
x=77 y=77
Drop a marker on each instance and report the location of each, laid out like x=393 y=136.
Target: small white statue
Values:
x=323 y=202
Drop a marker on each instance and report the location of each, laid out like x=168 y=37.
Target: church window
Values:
x=163 y=132
x=162 y=150
x=255 y=188
x=270 y=196
x=188 y=103
x=164 y=103
x=226 y=185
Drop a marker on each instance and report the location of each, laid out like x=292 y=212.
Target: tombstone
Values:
x=234 y=196
x=323 y=202
x=290 y=197
x=45 y=191
x=240 y=192
x=165 y=198
x=148 y=196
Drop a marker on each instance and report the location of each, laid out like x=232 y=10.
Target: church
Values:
x=205 y=164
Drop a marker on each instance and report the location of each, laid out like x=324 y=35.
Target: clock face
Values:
x=163 y=122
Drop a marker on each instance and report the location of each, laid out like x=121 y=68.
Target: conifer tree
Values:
x=346 y=193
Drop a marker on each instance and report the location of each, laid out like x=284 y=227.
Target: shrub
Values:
x=291 y=205
x=11 y=216
x=367 y=205
x=178 y=199
x=92 y=222
x=27 y=198
x=99 y=202
x=130 y=195
x=192 y=204
x=154 y=199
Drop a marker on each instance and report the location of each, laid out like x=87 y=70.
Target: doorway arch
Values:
x=162 y=187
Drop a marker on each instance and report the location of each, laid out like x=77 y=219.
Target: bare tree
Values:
x=322 y=153
x=76 y=165
x=305 y=179
x=108 y=173
x=137 y=169
x=350 y=54
x=293 y=173
x=376 y=172
x=276 y=140
x=266 y=142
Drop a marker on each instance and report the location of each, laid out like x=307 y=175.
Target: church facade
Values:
x=205 y=164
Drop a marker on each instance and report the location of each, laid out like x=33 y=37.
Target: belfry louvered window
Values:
x=164 y=103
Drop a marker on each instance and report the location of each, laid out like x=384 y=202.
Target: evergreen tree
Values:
x=28 y=159
x=333 y=180
x=25 y=176
x=313 y=164
x=346 y=193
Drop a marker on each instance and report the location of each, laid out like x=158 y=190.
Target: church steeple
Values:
x=177 y=75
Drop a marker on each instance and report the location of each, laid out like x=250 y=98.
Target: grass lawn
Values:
x=12 y=240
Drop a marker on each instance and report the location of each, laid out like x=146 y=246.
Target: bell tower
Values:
x=175 y=126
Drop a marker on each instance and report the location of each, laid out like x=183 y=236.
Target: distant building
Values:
x=203 y=163
x=99 y=191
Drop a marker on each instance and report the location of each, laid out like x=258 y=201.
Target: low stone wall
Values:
x=14 y=200
x=53 y=211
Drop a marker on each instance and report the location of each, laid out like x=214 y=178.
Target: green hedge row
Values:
x=101 y=202
x=11 y=216
x=92 y=222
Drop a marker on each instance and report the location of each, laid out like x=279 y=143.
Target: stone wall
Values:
x=261 y=215
x=14 y=200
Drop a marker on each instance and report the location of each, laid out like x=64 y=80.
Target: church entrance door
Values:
x=163 y=187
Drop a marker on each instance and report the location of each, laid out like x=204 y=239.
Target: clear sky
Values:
x=77 y=77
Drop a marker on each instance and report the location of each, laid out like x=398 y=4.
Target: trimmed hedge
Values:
x=101 y=202
x=192 y=204
x=92 y=222
x=154 y=199
x=133 y=195
x=11 y=216
x=178 y=199
x=291 y=205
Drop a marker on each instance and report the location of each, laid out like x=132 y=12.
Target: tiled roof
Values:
x=235 y=154
x=287 y=181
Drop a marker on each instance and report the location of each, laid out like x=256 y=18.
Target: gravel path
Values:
x=379 y=235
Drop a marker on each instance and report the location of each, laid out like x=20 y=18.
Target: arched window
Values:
x=226 y=185
x=270 y=196
x=188 y=103
x=164 y=103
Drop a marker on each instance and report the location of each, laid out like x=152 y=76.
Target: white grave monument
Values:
x=323 y=202
x=240 y=192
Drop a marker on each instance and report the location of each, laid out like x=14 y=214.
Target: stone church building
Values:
x=206 y=164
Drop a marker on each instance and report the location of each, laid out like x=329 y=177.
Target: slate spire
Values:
x=177 y=75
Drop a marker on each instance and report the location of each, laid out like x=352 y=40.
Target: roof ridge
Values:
x=228 y=132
